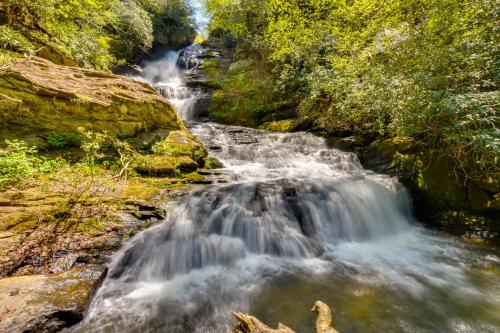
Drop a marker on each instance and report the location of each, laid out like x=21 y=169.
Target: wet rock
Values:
x=213 y=163
x=156 y=213
x=41 y=303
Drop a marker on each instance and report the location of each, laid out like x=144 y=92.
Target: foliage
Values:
x=172 y=21
x=421 y=68
x=58 y=140
x=94 y=145
x=135 y=28
x=96 y=33
x=19 y=162
x=11 y=39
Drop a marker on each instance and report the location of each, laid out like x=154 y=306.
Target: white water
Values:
x=296 y=221
x=168 y=78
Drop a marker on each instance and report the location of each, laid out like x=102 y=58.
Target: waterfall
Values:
x=167 y=76
x=295 y=220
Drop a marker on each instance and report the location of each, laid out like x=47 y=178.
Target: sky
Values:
x=200 y=16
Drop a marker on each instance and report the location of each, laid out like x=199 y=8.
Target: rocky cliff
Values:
x=38 y=97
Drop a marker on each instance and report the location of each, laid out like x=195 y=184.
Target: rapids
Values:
x=290 y=221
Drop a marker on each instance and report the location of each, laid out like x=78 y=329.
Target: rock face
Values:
x=442 y=194
x=37 y=96
x=41 y=303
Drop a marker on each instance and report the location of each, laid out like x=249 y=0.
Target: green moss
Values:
x=181 y=144
x=192 y=177
x=211 y=68
x=212 y=163
x=279 y=126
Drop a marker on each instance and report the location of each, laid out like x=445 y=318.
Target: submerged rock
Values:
x=41 y=303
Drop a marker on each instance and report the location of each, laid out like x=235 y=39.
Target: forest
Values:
x=190 y=166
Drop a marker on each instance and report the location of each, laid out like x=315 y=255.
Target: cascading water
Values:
x=295 y=222
x=167 y=76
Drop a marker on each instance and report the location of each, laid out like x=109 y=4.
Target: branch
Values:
x=250 y=324
x=324 y=321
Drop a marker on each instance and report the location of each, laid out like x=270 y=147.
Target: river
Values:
x=291 y=221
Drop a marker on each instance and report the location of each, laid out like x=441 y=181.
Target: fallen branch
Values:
x=250 y=324
x=324 y=321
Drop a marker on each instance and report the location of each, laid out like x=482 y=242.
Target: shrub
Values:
x=18 y=162
x=58 y=140
x=14 y=40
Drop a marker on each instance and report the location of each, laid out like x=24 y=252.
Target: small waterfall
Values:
x=167 y=76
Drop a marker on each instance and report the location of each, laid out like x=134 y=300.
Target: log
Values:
x=324 y=321
x=250 y=324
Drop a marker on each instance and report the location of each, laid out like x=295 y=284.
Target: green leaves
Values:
x=422 y=68
x=19 y=162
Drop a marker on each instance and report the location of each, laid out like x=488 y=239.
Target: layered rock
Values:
x=39 y=97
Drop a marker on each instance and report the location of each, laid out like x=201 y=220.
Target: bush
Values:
x=96 y=33
x=19 y=162
x=58 y=140
x=13 y=40
x=421 y=68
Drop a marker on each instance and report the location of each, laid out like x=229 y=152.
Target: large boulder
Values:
x=39 y=97
x=47 y=303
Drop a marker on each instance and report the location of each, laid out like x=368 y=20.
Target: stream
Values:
x=290 y=221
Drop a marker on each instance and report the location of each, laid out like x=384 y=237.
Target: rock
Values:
x=154 y=165
x=41 y=303
x=181 y=143
x=213 y=163
x=38 y=96
x=442 y=195
x=64 y=263
x=159 y=165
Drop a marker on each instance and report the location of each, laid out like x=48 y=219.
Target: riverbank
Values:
x=89 y=159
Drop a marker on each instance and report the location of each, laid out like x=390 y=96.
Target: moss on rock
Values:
x=213 y=163
x=282 y=126
x=40 y=97
x=181 y=143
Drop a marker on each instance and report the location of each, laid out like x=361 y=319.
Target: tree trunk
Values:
x=8 y=12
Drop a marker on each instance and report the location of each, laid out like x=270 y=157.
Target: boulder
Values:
x=158 y=165
x=39 y=97
x=47 y=303
x=182 y=143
